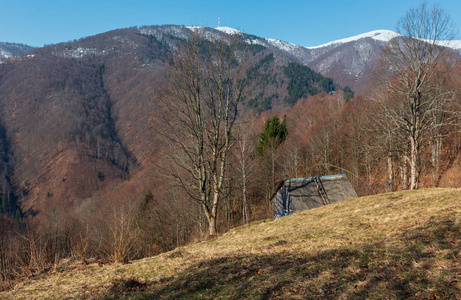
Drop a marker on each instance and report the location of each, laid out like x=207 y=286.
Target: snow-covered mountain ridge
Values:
x=384 y=36
x=349 y=61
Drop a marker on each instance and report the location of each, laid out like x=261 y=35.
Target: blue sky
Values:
x=307 y=23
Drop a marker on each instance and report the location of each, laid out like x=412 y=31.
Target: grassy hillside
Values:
x=393 y=246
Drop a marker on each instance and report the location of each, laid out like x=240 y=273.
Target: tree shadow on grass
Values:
x=406 y=270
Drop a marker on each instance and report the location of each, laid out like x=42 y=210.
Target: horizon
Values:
x=310 y=24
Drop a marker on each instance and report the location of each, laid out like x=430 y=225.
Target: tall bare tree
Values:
x=411 y=59
x=206 y=83
x=245 y=157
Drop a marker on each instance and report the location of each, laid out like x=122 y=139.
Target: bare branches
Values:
x=200 y=103
x=411 y=101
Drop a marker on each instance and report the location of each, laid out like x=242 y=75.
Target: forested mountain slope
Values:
x=76 y=115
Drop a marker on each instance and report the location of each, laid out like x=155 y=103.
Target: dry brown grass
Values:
x=390 y=246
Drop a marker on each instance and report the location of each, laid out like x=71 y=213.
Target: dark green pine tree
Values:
x=274 y=132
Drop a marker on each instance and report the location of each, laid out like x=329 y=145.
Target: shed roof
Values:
x=305 y=193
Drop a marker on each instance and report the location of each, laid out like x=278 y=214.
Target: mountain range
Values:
x=75 y=116
x=348 y=61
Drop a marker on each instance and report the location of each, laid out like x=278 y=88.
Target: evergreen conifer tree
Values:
x=274 y=131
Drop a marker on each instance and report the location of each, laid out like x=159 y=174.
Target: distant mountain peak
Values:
x=379 y=35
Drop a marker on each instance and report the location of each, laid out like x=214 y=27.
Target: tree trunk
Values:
x=200 y=224
x=404 y=173
x=413 y=164
x=436 y=149
x=390 y=174
x=433 y=161
x=212 y=218
x=244 y=192
x=272 y=172
x=368 y=167
x=325 y=160
x=244 y=167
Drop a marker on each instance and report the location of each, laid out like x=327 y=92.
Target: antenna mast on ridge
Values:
x=219 y=21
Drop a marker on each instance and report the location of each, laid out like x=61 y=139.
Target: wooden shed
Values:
x=311 y=192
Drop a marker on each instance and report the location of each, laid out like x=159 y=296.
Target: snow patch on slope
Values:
x=456 y=44
x=80 y=52
x=4 y=54
x=282 y=45
x=224 y=29
x=194 y=27
x=379 y=35
x=228 y=30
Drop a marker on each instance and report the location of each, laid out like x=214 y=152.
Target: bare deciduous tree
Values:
x=206 y=84
x=410 y=60
x=246 y=159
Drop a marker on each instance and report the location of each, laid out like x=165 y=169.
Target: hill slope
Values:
x=397 y=245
